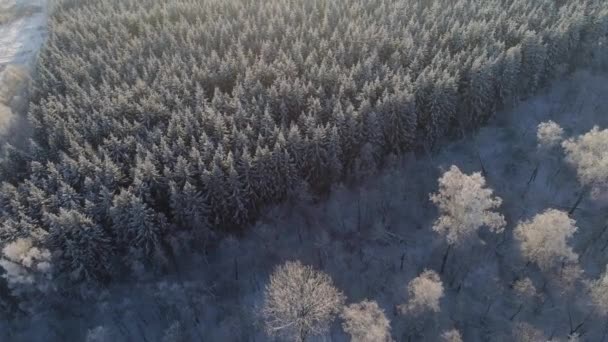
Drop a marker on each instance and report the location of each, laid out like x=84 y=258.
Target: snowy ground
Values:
x=22 y=31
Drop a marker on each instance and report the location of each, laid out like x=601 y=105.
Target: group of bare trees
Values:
x=300 y=301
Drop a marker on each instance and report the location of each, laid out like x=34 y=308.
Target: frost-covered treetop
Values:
x=21 y=260
x=451 y=336
x=425 y=292
x=465 y=205
x=544 y=239
x=300 y=301
x=366 y=322
x=524 y=288
x=549 y=134
x=589 y=154
x=599 y=292
x=525 y=332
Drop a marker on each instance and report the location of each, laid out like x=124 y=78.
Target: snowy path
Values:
x=22 y=31
x=20 y=38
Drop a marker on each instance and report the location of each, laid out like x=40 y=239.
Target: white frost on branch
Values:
x=599 y=293
x=23 y=262
x=425 y=292
x=366 y=322
x=174 y=333
x=451 y=336
x=549 y=134
x=524 y=332
x=98 y=334
x=465 y=205
x=588 y=153
x=525 y=289
x=544 y=239
x=300 y=301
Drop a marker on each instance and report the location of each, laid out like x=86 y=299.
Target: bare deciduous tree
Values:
x=25 y=265
x=300 y=301
x=366 y=322
x=599 y=293
x=544 y=239
x=465 y=205
x=525 y=292
x=425 y=292
x=451 y=336
x=549 y=134
x=174 y=333
x=589 y=155
x=525 y=289
x=98 y=334
x=524 y=332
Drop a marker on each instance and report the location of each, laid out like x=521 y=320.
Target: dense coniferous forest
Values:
x=158 y=128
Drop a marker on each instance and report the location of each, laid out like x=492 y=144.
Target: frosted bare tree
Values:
x=451 y=336
x=525 y=289
x=588 y=153
x=99 y=334
x=465 y=205
x=174 y=333
x=544 y=239
x=300 y=301
x=569 y=276
x=425 y=292
x=26 y=266
x=524 y=332
x=549 y=134
x=525 y=292
x=598 y=291
x=366 y=322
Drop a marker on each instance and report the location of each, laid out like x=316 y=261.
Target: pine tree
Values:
x=85 y=250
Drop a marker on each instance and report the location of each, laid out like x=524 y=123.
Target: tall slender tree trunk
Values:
x=445 y=258
x=302 y=335
x=605 y=332
x=531 y=180
x=521 y=306
x=584 y=192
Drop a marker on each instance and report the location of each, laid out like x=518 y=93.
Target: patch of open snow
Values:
x=20 y=38
x=22 y=31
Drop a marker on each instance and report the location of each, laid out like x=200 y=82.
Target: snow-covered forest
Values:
x=235 y=170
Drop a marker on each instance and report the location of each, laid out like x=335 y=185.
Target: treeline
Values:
x=156 y=120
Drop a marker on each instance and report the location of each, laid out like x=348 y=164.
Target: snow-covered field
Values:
x=22 y=31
